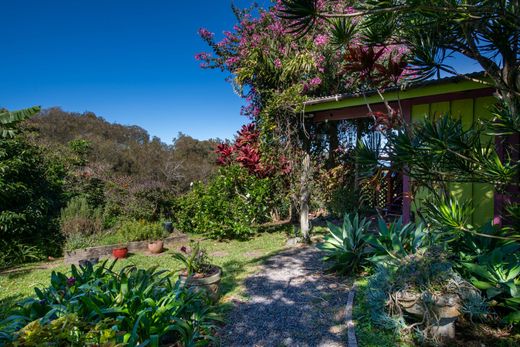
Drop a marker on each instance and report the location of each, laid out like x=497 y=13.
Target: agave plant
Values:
x=395 y=241
x=498 y=274
x=345 y=246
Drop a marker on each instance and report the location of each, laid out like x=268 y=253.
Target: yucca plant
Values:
x=345 y=246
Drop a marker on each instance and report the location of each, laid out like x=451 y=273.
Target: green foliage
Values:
x=141 y=231
x=81 y=148
x=78 y=217
x=230 y=205
x=15 y=252
x=99 y=305
x=395 y=241
x=30 y=197
x=498 y=274
x=449 y=216
x=343 y=200
x=9 y=121
x=345 y=246
x=195 y=261
x=441 y=149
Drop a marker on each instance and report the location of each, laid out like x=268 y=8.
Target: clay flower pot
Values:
x=156 y=247
x=209 y=283
x=120 y=253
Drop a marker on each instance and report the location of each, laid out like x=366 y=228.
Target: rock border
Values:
x=349 y=321
x=73 y=257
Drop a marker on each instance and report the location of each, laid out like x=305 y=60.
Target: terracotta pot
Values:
x=210 y=284
x=120 y=253
x=156 y=247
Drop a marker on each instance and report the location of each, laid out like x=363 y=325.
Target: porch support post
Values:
x=407 y=195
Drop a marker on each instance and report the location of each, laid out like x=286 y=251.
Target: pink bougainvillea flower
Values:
x=205 y=34
x=316 y=81
x=321 y=40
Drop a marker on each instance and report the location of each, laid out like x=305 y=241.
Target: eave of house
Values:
x=419 y=90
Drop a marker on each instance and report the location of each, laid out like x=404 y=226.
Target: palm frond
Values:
x=301 y=15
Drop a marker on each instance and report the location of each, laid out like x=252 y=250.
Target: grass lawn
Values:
x=237 y=258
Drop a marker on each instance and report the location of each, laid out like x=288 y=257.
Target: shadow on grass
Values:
x=289 y=303
x=233 y=269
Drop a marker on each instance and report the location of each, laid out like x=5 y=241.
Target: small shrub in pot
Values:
x=199 y=273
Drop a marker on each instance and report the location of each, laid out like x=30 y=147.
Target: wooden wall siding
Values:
x=469 y=110
x=468 y=105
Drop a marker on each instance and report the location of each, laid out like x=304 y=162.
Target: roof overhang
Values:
x=417 y=90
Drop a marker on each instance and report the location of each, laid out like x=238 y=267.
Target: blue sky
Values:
x=129 y=61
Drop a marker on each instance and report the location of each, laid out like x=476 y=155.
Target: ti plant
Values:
x=345 y=245
x=394 y=241
x=497 y=273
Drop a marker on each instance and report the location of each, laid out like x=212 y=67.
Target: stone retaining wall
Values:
x=73 y=257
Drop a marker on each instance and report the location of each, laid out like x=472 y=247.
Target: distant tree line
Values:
x=119 y=172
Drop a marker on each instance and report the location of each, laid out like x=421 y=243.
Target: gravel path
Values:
x=290 y=303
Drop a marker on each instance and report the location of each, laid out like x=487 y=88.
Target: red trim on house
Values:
x=362 y=111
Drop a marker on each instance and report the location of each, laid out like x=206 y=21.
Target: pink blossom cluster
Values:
x=321 y=40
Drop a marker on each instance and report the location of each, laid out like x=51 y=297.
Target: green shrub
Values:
x=80 y=224
x=14 y=253
x=99 y=306
x=346 y=246
x=141 y=231
x=79 y=218
x=230 y=205
x=30 y=197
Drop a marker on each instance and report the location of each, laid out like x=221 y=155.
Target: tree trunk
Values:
x=304 y=198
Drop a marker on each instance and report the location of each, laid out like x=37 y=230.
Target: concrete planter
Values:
x=210 y=284
x=445 y=307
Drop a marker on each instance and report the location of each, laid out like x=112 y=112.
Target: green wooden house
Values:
x=462 y=98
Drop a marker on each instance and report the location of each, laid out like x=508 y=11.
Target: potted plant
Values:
x=120 y=252
x=156 y=233
x=199 y=273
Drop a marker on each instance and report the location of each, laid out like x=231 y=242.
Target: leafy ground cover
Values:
x=237 y=258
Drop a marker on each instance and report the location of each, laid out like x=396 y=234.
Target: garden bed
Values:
x=74 y=256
